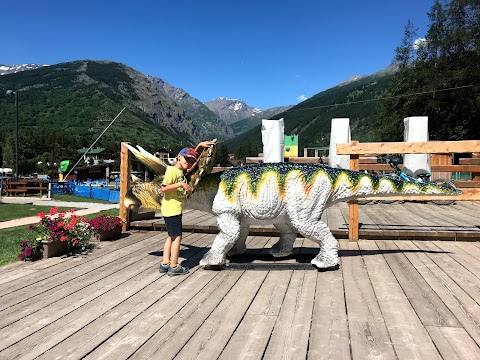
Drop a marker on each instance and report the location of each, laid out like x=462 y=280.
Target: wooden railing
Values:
x=356 y=149
x=24 y=186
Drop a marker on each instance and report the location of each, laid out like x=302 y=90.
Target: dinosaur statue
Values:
x=291 y=196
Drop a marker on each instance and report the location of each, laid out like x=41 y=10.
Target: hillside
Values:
x=212 y=125
x=66 y=106
x=250 y=122
x=311 y=119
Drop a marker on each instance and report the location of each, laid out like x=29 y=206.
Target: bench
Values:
x=15 y=187
x=26 y=186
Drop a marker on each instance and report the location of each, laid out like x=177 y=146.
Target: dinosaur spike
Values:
x=151 y=161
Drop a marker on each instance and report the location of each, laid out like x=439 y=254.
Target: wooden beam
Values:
x=467 y=195
x=125 y=176
x=429 y=147
x=353 y=205
x=467 y=184
x=476 y=174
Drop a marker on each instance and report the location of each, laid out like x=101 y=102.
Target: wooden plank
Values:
x=464 y=308
x=135 y=327
x=353 y=204
x=252 y=335
x=468 y=281
x=290 y=336
x=208 y=342
x=468 y=194
x=441 y=159
x=125 y=159
x=71 y=314
x=427 y=303
x=469 y=161
x=54 y=276
x=329 y=336
x=409 y=336
x=92 y=280
x=454 y=343
x=429 y=147
x=171 y=338
x=368 y=333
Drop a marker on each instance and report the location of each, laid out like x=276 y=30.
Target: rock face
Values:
x=231 y=110
x=208 y=122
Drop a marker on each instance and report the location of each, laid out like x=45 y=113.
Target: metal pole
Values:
x=103 y=132
x=16 y=135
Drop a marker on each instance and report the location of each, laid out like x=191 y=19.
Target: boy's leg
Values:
x=175 y=250
x=167 y=250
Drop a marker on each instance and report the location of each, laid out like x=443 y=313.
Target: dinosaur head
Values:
x=147 y=196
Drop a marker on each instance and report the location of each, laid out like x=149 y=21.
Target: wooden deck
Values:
x=390 y=299
x=398 y=221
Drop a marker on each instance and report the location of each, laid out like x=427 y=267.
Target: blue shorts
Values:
x=173 y=225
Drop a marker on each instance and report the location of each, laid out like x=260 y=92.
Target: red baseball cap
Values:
x=189 y=152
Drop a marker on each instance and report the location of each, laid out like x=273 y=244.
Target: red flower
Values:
x=41 y=215
x=53 y=211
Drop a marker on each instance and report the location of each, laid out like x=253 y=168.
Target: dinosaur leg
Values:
x=284 y=245
x=229 y=226
x=319 y=232
x=240 y=247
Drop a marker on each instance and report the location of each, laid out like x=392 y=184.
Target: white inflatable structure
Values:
x=273 y=140
x=340 y=134
x=416 y=130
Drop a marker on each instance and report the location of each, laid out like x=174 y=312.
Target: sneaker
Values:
x=164 y=268
x=179 y=270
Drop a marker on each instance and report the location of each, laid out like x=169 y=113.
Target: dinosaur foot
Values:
x=321 y=265
x=210 y=259
x=237 y=250
x=279 y=251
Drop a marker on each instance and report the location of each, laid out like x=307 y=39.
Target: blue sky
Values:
x=267 y=53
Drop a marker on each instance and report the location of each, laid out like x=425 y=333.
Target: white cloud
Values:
x=419 y=43
x=302 y=98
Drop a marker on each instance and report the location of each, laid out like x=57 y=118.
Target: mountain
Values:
x=248 y=123
x=231 y=110
x=311 y=119
x=11 y=69
x=66 y=106
x=213 y=126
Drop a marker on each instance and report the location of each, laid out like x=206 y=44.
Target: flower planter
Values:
x=105 y=235
x=50 y=249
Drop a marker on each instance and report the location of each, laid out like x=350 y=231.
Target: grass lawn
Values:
x=73 y=198
x=11 y=238
x=15 y=211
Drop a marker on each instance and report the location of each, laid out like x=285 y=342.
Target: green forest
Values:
x=437 y=77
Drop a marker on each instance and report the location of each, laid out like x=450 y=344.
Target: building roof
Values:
x=91 y=151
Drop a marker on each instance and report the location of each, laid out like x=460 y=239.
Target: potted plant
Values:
x=106 y=227
x=56 y=234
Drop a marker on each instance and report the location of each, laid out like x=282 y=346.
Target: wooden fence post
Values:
x=476 y=175
x=353 y=204
x=124 y=184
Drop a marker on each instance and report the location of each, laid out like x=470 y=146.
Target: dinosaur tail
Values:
x=360 y=185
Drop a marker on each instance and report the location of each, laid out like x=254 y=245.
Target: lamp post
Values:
x=10 y=92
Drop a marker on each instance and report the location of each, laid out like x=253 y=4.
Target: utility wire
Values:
x=103 y=132
x=382 y=98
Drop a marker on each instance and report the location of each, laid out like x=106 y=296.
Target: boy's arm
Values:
x=172 y=187
x=204 y=144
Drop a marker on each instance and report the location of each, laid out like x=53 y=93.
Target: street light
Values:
x=10 y=92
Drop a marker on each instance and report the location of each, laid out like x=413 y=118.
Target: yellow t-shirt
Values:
x=173 y=200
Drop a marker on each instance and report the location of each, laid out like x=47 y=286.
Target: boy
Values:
x=175 y=187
